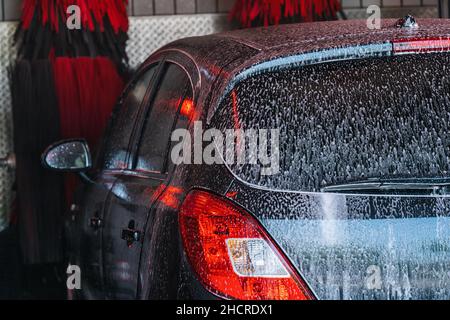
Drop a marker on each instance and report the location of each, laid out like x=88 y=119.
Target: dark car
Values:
x=307 y=161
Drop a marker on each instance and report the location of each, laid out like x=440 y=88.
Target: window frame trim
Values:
x=136 y=137
x=140 y=119
x=135 y=78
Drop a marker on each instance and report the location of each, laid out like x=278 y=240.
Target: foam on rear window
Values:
x=349 y=120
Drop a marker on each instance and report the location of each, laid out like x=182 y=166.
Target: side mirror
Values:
x=68 y=156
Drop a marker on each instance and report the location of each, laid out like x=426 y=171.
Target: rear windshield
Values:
x=339 y=122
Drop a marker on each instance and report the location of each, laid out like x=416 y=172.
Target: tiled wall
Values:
x=10 y=9
x=152 y=7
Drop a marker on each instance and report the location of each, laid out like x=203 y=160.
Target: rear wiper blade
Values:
x=378 y=185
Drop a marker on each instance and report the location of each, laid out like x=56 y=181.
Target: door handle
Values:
x=96 y=223
x=8 y=162
x=131 y=236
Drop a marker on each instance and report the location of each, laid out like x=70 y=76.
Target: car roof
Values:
x=334 y=32
x=289 y=39
x=221 y=57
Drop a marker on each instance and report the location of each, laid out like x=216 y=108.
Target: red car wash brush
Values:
x=69 y=73
x=252 y=13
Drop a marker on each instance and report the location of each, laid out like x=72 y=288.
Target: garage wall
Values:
x=10 y=9
x=6 y=53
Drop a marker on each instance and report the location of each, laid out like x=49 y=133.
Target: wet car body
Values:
x=124 y=230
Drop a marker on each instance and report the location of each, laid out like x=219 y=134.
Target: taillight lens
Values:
x=232 y=254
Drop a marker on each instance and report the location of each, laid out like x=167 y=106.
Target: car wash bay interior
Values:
x=153 y=23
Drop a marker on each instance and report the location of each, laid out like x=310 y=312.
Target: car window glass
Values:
x=160 y=120
x=123 y=121
x=327 y=128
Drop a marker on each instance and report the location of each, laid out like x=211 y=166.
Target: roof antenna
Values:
x=407 y=22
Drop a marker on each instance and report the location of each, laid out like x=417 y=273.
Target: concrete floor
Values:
x=20 y=282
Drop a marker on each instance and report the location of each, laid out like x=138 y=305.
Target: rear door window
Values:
x=164 y=115
x=123 y=120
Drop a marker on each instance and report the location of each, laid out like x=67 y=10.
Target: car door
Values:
x=136 y=190
x=113 y=156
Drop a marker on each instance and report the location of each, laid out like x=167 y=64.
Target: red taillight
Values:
x=421 y=45
x=232 y=254
x=187 y=108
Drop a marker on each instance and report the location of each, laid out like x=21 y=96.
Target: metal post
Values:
x=8 y=162
x=444 y=9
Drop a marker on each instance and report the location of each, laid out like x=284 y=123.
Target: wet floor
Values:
x=18 y=281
